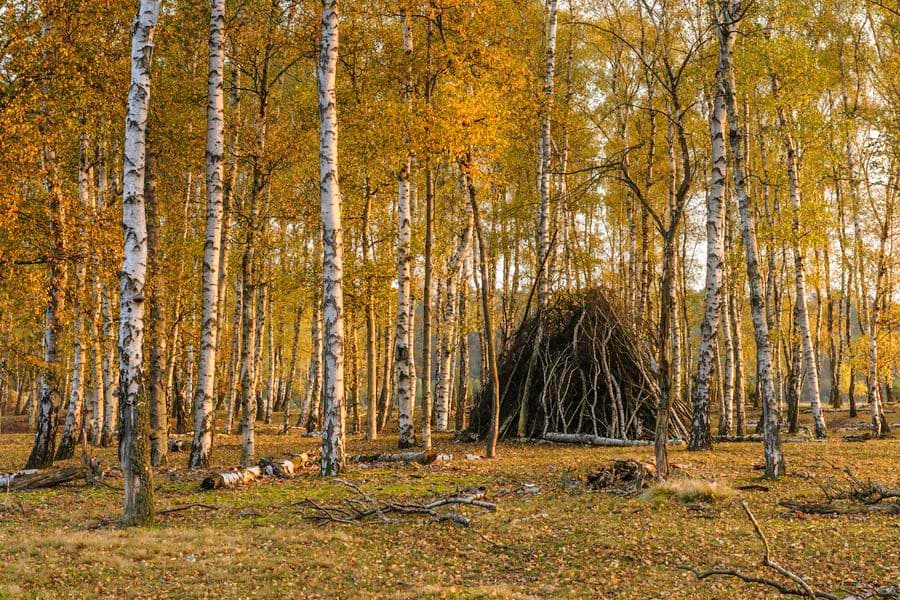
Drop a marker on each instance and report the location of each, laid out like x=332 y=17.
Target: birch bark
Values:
x=332 y=462
x=544 y=219
x=215 y=156
x=726 y=29
x=134 y=446
x=701 y=435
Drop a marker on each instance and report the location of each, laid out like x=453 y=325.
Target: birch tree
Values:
x=215 y=156
x=701 y=437
x=332 y=240
x=134 y=446
x=404 y=361
x=728 y=14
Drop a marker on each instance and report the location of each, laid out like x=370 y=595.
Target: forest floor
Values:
x=552 y=538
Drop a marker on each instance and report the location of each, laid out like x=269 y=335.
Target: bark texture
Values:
x=134 y=438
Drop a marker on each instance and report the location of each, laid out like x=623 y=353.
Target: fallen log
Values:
x=231 y=479
x=6 y=479
x=32 y=479
x=738 y=438
x=596 y=440
x=425 y=457
x=283 y=469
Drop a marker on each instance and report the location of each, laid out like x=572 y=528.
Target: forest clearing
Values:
x=556 y=539
x=450 y=298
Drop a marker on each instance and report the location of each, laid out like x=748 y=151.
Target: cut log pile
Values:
x=267 y=467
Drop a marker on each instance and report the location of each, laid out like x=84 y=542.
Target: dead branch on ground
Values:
x=168 y=511
x=861 y=497
x=805 y=590
x=365 y=506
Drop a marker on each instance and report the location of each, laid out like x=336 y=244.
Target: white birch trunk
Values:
x=403 y=354
x=110 y=423
x=76 y=403
x=231 y=389
x=879 y=423
x=545 y=141
x=727 y=32
x=701 y=434
x=448 y=327
x=309 y=410
x=332 y=235
x=809 y=354
x=269 y=394
x=97 y=400
x=215 y=156
x=371 y=351
x=134 y=444
x=248 y=391
x=402 y=351
x=802 y=316
x=292 y=370
x=49 y=395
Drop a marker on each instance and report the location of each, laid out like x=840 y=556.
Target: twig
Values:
x=186 y=507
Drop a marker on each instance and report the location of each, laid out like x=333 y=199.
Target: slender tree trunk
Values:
x=159 y=418
x=248 y=377
x=728 y=371
x=450 y=318
x=462 y=379
x=879 y=423
x=386 y=398
x=204 y=407
x=490 y=357
x=49 y=398
x=110 y=409
x=701 y=436
x=134 y=434
x=97 y=352
x=292 y=370
x=231 y=388
x=332 y=234
x=545 y=147
x=262 y=309
x=774 y=459
x=371 y=335
x=802 y=316
x=309 y=412
x=426 y=311
x=74 y=412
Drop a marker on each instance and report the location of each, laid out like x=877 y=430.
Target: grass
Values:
x=562 y=542
x=688 y=491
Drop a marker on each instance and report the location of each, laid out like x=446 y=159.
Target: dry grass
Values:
x=688 y=491
x=562 y=542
